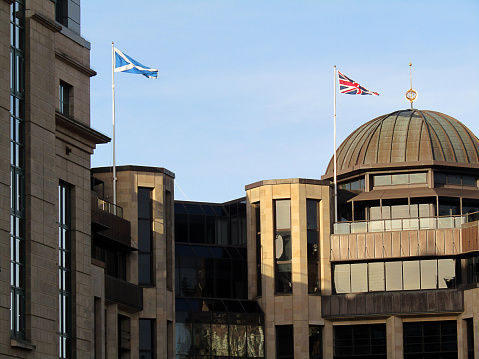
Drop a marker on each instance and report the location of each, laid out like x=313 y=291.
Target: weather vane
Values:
x=411 y=94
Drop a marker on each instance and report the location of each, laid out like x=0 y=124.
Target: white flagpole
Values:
x=113 y=116
x=335 y=171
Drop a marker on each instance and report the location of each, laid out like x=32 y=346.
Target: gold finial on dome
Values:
x=411 y=94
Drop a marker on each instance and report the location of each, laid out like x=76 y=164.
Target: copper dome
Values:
x=407 y=137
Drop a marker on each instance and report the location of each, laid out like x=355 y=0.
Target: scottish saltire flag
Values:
x=124 y=63
x=350 y=87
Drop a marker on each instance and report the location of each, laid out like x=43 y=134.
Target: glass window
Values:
x=313 y=245
x=394 y=276
x=411 y=275
x=283 y=246
x=360 y=341
x=382 y=180
x=145 y=236
x=315 y=342
x=284 y=342
x=417 y=178
x=359 y=277
x=376 y=277
x=430 y=339
x=429 y=274
x=402 y=178
x=446 y=273
x=65 y=94
x=342 y=279
x=468 y=181
x=146 y=336
x=283 y=214
x=64 y=263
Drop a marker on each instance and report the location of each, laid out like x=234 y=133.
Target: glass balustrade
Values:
x=404 y=224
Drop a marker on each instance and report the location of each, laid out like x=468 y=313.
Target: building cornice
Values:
x=45 y=21
x=81 y=129
x=74 y=63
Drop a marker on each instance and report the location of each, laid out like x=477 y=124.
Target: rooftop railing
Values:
x=404 y=224
x=110 y=208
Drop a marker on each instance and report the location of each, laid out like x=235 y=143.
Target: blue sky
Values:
x=245 y=88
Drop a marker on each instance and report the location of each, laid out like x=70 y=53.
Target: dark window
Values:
x=257 y=218
x=430 y=339
x=145 y=237
x=123 y=335
x=284 y=342
x=283 y=246
x=472 y=270
x=360 y=341
x=67 y=13
x=312 y=210
x=66 y=91
x=315 y=342
x=470 y=337
x=147 y=335
x=169 y=239
x=64 y=267
x=449 y=206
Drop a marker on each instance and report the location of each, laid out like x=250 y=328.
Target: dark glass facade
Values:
x=213 y=328
x=214 y=319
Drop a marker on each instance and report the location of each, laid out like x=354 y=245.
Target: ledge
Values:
x=74 y=63
x=22 y=344
x=81 y=129
x=45 y=21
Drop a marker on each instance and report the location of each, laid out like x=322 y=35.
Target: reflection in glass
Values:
x=283 y=214
x=202 y=336
x=255 y=341
x=238 y=340
x=446 y=273
x=183 y=338
x=219 y=339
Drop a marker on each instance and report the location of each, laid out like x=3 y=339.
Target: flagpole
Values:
x=113 y=116
x=335 y=171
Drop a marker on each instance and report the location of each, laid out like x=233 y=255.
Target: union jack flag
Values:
x=350 y=87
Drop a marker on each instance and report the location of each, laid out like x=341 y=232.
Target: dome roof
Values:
x=407 y=137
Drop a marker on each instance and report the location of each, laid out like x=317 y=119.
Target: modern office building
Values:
x=396 y=275
x=271 y=275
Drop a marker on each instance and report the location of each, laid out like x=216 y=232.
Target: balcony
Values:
x=403 y=224
x=108 y=226
x=405 y=237
x=393 y=303
x=122 y=292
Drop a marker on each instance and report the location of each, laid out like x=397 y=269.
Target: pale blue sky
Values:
x=245 y=88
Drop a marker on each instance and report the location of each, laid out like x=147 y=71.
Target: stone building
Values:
x=46 y=141
x=396 y=276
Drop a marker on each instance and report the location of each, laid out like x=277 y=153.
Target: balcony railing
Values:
x=393 y=303
x=404 y=224
x=110 y=208
x=122 y=292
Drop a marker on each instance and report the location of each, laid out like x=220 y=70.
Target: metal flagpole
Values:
x=113 y=116
x=335 y=172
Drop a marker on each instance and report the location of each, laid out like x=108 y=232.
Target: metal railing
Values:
x=404 y=224
x=110 y=208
